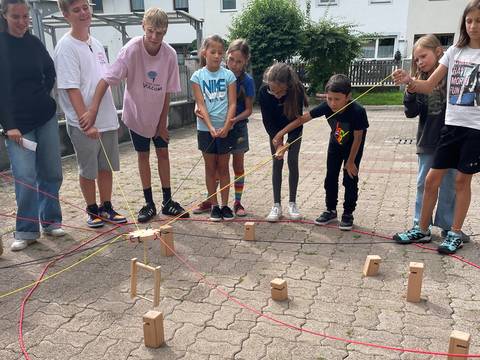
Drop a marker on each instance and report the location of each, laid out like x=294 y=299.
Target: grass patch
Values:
x=379 y=98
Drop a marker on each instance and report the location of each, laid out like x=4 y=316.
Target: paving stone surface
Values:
x=215 y=295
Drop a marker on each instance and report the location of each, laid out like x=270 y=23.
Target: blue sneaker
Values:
x=106 y=212
x=414 y=235
x=451 y=244
x=465 y=237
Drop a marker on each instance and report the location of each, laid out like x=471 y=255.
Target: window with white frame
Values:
x=326 y=2
x=381 y=48
x=137 y=5
x=445 y=39
x=229 y=5
x=97 y=6
x=180 y=5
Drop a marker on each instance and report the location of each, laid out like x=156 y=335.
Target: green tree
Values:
x=273 y=29
x=328 y=48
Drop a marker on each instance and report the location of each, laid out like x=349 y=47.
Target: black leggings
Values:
x=277 y=166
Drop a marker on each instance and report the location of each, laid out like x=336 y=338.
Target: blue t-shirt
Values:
x=214 y=86
x=245 y=81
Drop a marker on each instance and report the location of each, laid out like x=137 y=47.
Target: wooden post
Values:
x=249 y=231
x=156 y=281
x=133 y=278
x=156 y=287
x=372 y=264
x=167 y=246
x=415 y=282
x=459 y=344
x=153 y=333
x=279 y=289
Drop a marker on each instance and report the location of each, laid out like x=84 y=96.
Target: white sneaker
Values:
x=57 y=232
x=18 y=244
x=275 y=213
x=293 y=211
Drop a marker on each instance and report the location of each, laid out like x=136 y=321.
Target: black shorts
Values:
x=210 y=145
x=458 y=148
x=240 y=138
x=142 y=144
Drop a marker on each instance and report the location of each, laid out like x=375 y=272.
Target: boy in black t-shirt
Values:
x=347 y=138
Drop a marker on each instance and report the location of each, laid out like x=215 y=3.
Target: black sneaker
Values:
x=346 y=223
x=147 y=212
x=227 y=213
x=326 y=217
x=173 y=208
x=216 y=213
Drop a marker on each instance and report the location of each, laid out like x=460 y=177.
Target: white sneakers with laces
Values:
x=293 y=211
x=275 y=213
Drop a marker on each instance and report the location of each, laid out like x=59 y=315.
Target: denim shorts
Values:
x=142 y=144
x=210 y=145
x=240 y=138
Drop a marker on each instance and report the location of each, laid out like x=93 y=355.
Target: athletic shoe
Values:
x=227 y=213
x=326 y=217
x=239 y=210
x=18 y=244
x=465 y=237
x=106 y=212
x=216 y=213
x=57 y=232
x=293 y=211
x=346 y=223
x=173 y=208
x=275 y=213
x=203 y=207
x=414 y=235
x=451 y=244
x=147 y=212
x=94 y=221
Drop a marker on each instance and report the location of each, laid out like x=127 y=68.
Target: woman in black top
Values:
x=37 y=172
x=282 y=99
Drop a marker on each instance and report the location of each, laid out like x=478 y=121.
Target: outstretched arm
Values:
x=401 y=76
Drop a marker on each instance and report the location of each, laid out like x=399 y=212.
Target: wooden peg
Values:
x=153 y=333
x=279 y=289
x=459 y=344
x=133 y=281
x=143 y=235
x=415 y=276
x=372 y=264
x=167 y=246
x=249 y=231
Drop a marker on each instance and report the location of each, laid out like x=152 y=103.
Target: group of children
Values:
x=448 y=156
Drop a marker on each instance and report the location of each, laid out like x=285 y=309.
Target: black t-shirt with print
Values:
x=343 y=124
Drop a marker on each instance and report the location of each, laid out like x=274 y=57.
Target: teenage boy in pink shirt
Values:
x=150 y=68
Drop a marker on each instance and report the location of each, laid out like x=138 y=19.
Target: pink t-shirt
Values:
x=149 y=79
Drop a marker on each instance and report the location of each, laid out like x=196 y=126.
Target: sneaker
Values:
x=94 y=221
x=216 y=213
x=326 y=217
x=414 y=235
x=465 y=237
x=275 y=213
x=238 y=209
x=57 y=232
x=203 y=207
x=173 y=208
x=293 y=211
x=147 y=212
x=19 y=244
x=451 y=244
x=346 y=223
x=106 y=212
x=227 y=213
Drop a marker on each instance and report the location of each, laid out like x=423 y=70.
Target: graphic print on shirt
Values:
x=464 y=84
x=342 y=131
x=152 y=75
x=214 y=90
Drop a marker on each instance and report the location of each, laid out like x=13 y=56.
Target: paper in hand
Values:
x=29 y=144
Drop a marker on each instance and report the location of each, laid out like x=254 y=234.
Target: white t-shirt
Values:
x=80 y=66
x=463 y=106
x=149 y=79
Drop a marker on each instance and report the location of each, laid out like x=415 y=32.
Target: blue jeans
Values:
x=446 y=195
x=41 y=170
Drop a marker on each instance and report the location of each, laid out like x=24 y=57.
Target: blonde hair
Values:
x=64 y=5
x=206 y=43
x=156 y=17
x=283 y=74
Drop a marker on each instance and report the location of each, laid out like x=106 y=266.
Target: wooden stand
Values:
x=153 y=333
x=133 y=281
x=143 y=235
x=167 y=246
x=372 y=264
x=249 y=231
x=279 y=289
x=415 y=282
x=459 y=344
